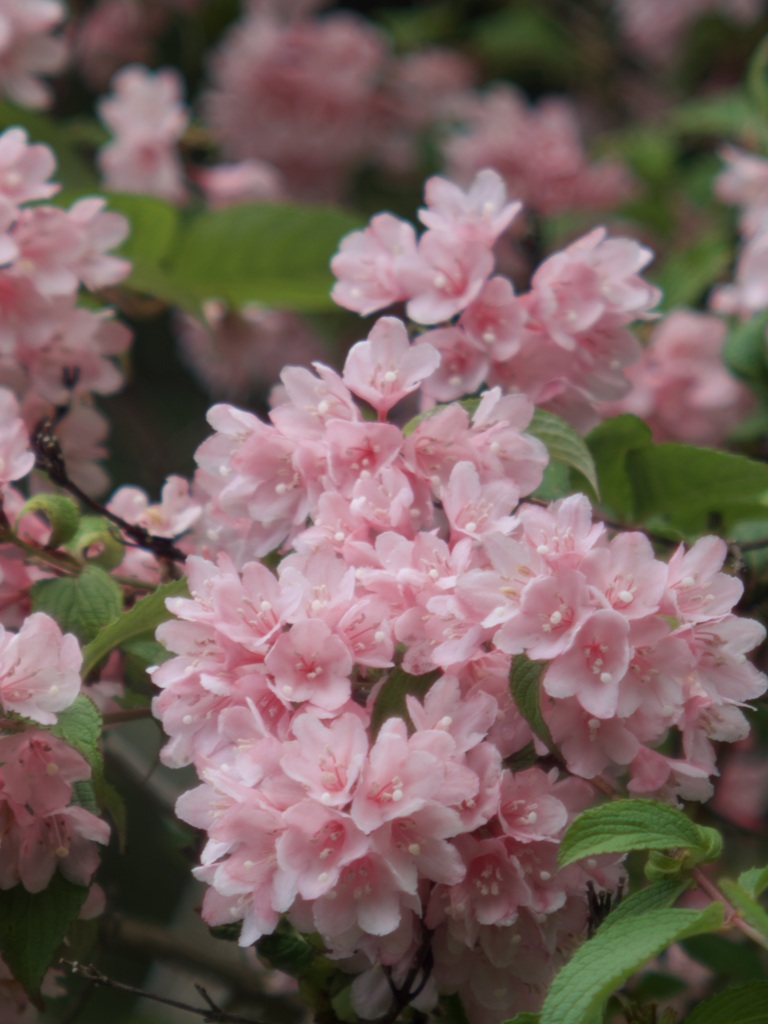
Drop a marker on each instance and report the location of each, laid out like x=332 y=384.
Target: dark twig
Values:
x=414 y=981
x=211 y=1014
x=51 y=459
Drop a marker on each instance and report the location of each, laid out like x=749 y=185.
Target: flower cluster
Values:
x=537 y=151
x=350 y=715
x=681 y=368
x=54 y=352
x=30 y=48
x=564 y=343
x=41 y=829
x=744 y=183
x=147 y=117
x=316 y=97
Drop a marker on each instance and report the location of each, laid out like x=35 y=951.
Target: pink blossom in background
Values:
x=16 y=457
x=114 y=33
x=655 y=28
x=30 y=48
x=298 y=95
x=422 y=89
x=537 y=150
x=744 y=183
x=249 y=181
x=147 y=117
x=680 y=387
x=234 y=353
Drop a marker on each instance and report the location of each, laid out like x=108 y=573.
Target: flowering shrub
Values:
x=450 y=645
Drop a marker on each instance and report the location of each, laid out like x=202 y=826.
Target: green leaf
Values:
x=390 y=700
x=724 y=114
x=757 y=78
x=154 y=228
x=744 y=349
x=754 y=881
x=747 y=1005
x=525 y=686
x=624 y=825
x=685 y=275
x=685 y=484
x=747 y=906
x=610 y=443
x=80 y=725
x=270 y=253
x=62 y=514
x=33 y=926
x=140 y=622
x=555 y=483
x=564 y=444
x=82 y=604
x=657 y=896
x=613 y=955
x=287 y=950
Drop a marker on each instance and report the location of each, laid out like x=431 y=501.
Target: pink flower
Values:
x=480 y=214
x=25 y=168
x=537 y=151
x=594 y=665
x=385 y=368
x=16 y=457
x=680 y=386
x=309 y=663
x=39 y=669
x=249 y=181
x=299 y=95
x=28 y=49
x=372 y=265
x=593 y=278
x=147 y=116
x=445 y=276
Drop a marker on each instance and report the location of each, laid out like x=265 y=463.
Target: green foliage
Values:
x=614 y=954
x=61 y=513
x=287 y=950
x=657 y=896
x=515 y=39
x=79 y=725
x=97 y=541
x=390 y=700
x=81 y=604
x=685 y=275
x=525 y=687
x=610 y=443
x=754 y=881
x=139 y=622
x=563 y=444
x=679 y=486
x=33 y=926
x=748 y=1005
x=624 y=825
x=747 y=906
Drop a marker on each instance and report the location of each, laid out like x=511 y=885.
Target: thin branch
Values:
x=50 y=458
x=211 y=1014
x=734 y=919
